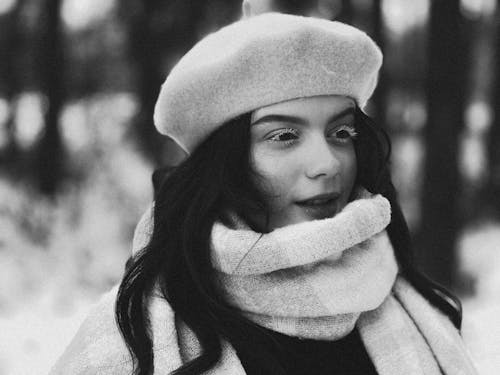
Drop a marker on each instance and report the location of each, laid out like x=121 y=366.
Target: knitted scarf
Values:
x=318 y=279
x=311 y=280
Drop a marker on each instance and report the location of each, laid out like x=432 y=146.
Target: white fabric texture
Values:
x=312 y=279
x=260 y=61
x=403 y=334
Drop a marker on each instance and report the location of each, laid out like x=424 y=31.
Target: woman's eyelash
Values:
x=289 y=135
x=351 y=130
x=276 y=137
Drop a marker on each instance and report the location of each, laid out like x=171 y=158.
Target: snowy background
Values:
x=59 y=253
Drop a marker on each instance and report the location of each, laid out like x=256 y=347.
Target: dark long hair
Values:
x=217 y=178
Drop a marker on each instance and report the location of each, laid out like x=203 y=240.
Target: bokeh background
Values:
x=78 y=83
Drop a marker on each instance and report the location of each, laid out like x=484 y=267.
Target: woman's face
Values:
x=303 y=151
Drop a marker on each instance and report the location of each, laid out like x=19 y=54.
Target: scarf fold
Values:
x=312 y=279
x=243 y=252
x=319 y=280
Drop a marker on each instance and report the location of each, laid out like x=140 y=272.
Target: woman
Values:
x=278 y=245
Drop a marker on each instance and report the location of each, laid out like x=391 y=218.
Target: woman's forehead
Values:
x=327 y=105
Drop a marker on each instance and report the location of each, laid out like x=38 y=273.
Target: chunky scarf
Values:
x=313 y=279
x=318 y=279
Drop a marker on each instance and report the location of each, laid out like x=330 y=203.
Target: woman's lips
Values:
x=320 y=207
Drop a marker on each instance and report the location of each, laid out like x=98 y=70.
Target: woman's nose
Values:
x=321 y=160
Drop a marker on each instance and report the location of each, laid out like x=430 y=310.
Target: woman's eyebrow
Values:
x=280 y=118
x=343 y=113
x=299 y=120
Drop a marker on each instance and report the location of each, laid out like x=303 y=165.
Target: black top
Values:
x=346 y=356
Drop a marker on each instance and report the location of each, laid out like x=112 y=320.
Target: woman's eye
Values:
x=344 y=133
x=284 y=135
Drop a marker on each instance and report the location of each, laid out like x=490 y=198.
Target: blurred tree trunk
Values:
x=379 y=97
x=49 y=152
x=493 y=183
x=146 y=48
x=154 y=41
x=446 y=79
x=11 y=41
x=300 y=7
x=346 y=12
x=160 y=32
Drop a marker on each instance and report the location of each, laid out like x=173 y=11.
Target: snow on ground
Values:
x=35 y=336
x=480 y=259
x=56 y=258
x=481 y=332
x=47 y=283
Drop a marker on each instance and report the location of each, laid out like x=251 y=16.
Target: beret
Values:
x=262 y=60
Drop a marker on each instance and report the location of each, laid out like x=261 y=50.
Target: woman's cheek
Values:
x=351 y=168
x=276 y=176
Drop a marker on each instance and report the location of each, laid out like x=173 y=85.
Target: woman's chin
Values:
x=304 y=213
x=319 y=211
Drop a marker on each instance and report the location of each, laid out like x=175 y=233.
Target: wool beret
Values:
x=259 y=61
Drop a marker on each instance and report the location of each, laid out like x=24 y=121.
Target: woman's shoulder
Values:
x=143 y=229
x=420 y=308
x=97 y=346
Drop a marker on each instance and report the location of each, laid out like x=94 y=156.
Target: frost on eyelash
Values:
x=276 y=136
x=348 y=128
